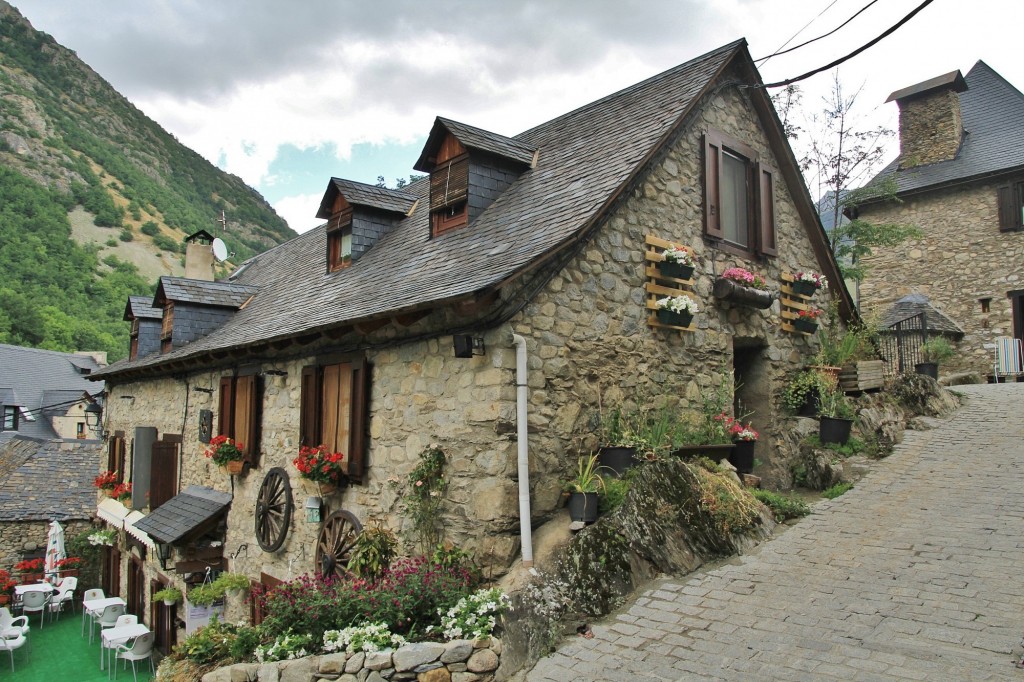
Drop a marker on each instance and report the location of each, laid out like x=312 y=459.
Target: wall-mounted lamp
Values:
x=466 y=345
x=94 y=416
x=312 y=506
x=163 y=552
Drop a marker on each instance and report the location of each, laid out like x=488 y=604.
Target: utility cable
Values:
x=792 y=37
x=824 y=35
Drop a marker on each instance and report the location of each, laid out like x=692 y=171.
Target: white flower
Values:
x=678 y=304
x=674 y=254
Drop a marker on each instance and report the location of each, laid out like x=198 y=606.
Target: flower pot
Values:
x=804 y=325
x=728 y=290
x=929 y=369
x=742 y=456
x=830 y=372
x=326 y=488
x=616 y=460
x=233 y=467
x=834 y=430
x=169 y=602
x=715 y=452
x=676 y=270
x=31 y=578
x=5 y=599
x=812 y=403
x=583 y=507
x=674 y=319
x=803 y=288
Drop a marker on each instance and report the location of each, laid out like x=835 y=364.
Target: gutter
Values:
x=525 y=529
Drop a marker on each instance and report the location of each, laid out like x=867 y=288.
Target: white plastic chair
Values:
x=33 y=601
x=1009 y=360
x=11 y=644
x=126 y=619
x=141 y=648
x=65 y=595
x=89 y=595
x=108 y=618
x=11 y=627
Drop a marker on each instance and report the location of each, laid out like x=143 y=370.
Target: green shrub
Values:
x=615 y=490
x=111 y=242
x=126 y=235
x=783 y=506
x=374 y=550
x=151 y=228
x=165 y=243
x=836 y=490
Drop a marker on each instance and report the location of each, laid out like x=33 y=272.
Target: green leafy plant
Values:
x=452 y=558
x=836 y=490
x=475 y=615
x=168 y=594
x=247 y=638
x=231 y=581
x=851 y=448
x=209 y=644
x=588 y=476
x=802 y=387
x=615 y=490
x=205 y=594
x=784 y=507
x=423 y=495
x=374 y=550
x=367 y=637
x=286 y=647
x=937 y=349
x=835 y=404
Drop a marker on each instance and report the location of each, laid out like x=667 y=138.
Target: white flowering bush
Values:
x=819 y=281
x=475 y=616
x=103 y=537
x=367 y=637
x=678 y=304
x=285 y=648
x=674 y=254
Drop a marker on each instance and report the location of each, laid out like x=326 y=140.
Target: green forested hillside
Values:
x=67 y=140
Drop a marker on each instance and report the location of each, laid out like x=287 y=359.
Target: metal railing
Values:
x=901 y=344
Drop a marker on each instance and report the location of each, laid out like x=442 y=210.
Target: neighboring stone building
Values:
x=395 y=326
x=960 y=179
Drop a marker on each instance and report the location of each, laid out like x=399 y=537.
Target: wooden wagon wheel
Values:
x=337 y=537
x=273 y=510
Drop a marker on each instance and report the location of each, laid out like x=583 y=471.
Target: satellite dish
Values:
x=220 y=250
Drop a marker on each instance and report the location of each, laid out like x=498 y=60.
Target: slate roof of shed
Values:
x=30 y=372
x=361 y=194
x=142 y=307
x=183 y=513
x=46 y=480
x=915 y=304
x=993 y=111
x=201 y=292
x=473 y=138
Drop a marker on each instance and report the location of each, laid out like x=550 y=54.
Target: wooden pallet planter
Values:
x=658 y=285
x=866 y=375
x=791 y=304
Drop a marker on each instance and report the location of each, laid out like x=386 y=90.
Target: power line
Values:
x=824 y=35
x=797 y=33
x=853 y=54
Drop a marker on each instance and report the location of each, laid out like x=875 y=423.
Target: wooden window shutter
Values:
x=309 y=408
x=449 y=183
x=112 y=455
x=225 y=415
x=247 y=414
x=336 y=408
x=765 y=210
x=163 y=477
x=1009 y=211
x=712 y=170
x=360 y=410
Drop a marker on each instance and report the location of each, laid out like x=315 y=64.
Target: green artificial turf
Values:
x=59 y=651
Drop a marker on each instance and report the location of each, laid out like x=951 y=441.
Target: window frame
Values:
x=240 y=399
x=11 y=410
x=167 y=328
x=759 y=197
x=1010 y=200
x=338 y=227
x=449 y=205
x=133 y=340
x=311 y=409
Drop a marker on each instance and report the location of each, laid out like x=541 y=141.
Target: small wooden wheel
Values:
x=273 y=510
x=334 y=546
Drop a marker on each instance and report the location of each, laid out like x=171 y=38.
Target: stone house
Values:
x=403 y=321
x=960 y=179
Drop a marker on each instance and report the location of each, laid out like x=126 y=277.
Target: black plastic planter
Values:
x=676 y=270
x=674 y=319
x=583 y=507
x=805 y=325
x=728 y=290
x=834 y=430
x=616 y=460
x=742 y=456
x=812 y=403
x=929 y=369
x=714 y=452
x=803 y=288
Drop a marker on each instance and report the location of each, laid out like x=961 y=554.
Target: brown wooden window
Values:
x=115 y=455
x=335 y=398
x=739 y=201
x=1011 y=206
x=167 y=330
x=339 y=240
x=133 y=347
x=163 y=472
x=449 y=188
x=239 y=413
x=259 y=590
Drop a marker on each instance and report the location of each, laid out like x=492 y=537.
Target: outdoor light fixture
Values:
x=93 y=416
x=163 y=552
x=312 y=509
x=466 y=345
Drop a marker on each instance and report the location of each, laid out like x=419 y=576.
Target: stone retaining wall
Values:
x=460 y=660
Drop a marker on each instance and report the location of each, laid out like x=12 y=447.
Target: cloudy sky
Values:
x=287 y=94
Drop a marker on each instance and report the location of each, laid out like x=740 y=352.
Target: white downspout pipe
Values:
x=525 y=529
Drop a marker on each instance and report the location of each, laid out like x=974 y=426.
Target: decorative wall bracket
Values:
x=659 y=284
x=792 y=303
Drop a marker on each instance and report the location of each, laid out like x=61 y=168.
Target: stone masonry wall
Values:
x=931 y=128
x=19 y=539
x=962 y=259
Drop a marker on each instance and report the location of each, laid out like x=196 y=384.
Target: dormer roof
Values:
x=472 y=138
x=370 y=196
x=201 y=292
x=202 y=236
x=141 y=307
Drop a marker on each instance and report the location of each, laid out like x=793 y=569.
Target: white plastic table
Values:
x=111 y=638
x=94 y=606
x=34 y=587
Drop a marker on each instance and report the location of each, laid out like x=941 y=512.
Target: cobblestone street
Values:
x=914 y=574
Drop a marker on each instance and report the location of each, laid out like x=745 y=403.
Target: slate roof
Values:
x=142 y=307
x=46 y=480
x=473 y=138
x=57 y=402
x=183 y=513
x=915 y=304
x=201 y=292
x=31 y=372
x=361 y=194
x=993 y=111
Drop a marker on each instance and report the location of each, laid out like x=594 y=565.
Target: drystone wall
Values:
x=963 y=260
x=19 y=539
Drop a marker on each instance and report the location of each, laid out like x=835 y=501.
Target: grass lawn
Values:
x=60 y=652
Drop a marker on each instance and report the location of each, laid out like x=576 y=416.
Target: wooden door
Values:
x=161 y=618
x=136 y=597
x=110 y=580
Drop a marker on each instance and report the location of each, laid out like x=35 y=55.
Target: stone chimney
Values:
x=931 y=127
x=199 y=259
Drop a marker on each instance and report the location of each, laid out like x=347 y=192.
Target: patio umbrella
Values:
x=54 y=548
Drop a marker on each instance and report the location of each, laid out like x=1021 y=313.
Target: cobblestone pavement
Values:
x=914 y=574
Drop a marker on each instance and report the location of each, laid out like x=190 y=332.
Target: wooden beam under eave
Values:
x=370 y=326
x=337 y=332
x=476 y=304
x=307 y=339
x=409 y=319
x=282 y=344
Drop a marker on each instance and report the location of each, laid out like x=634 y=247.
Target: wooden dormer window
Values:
x=167 y=330
x=339 y=235
x=449 y=188
x=133 y=349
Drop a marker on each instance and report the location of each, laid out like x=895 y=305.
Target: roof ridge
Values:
x=995 y=73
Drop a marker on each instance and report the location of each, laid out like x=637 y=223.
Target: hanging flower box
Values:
x=806 y=283
x=807 y=322
x=742 y=287
x=677 y=311
x=678 y=263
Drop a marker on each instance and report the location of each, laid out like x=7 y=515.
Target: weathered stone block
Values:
x=355 y=662
x=414 y=655
x=378 y=660
x=457 y=650
x=482 y=661
x=333 y=663
x=435 y=675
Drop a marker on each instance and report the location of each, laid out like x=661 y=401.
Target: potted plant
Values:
x=226 y=453
x=743 y=288
x=836 y=417
x=31 y=570
x=678 y=263
x=122 y=492
x=807 y=321
x=233 y=584
x=618 y=452
x=934 y=350
x=68 y=566
x=325 y=468
x=106 y=482
x=802 y=395
x=205 y=594
x=745 y=438
x=806 y=283
x=583 y=490
x=106 y=537
x=677 y=311
x=7 y=584
x=169 y=596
